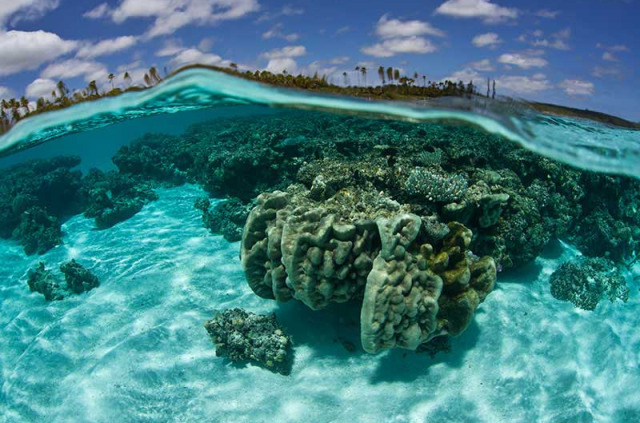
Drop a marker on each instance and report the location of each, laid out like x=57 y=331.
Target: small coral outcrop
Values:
x=416 y=278
x=77 y=278
x=227 y=218
x=242 y=336
x=587 y=281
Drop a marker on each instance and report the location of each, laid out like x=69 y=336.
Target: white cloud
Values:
x=282 y=59
x=24 y=10
x=171 y=15
x=548 y=14
x=616 y=47
x=600 y=72
x=6 y=93
x=490 y=39
x=575 y=87
x=558 y=40
x=41 y=87
x=286 y=52
x=341 y=60
x=171 y=48
x=482 y=65
x=193 y=55
x=465 y=75
x=609 y=57
x=27 y=50
x=105 y=47
x=285 y=11
x=74 y=68
x=482 y=9
x=100 y=11
x=527 y=60
x=389 y=48
x=523 y=84
x=277 y=32
x=394 y=28
x=281 y=64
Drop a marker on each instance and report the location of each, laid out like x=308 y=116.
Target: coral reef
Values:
x=113 y=197
x=35 y=197
x=43 y=281
x=416 y=278
x=226 y=218
x=587 y=281
x=78 y=280
x=243 y=336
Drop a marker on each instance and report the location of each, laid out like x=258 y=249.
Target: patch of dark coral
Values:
x=587 y=281
x=35 y=198
x=226 y=218
x=243 y=336
x=78 y=280
x=113 y=197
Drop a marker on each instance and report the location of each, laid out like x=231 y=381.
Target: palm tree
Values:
x=346 y=79
x=233 y=66
x=127 y=78
x=154 y=75
x=396 y=74
x=358 y=73
x=381 y=74
x=389 y=74
x=424 y=81
x=147 y=79
x=62 y=89
x=92 y=88
x=111 y=76
x=364 y=75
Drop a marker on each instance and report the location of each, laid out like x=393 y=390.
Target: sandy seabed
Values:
x=135 y=350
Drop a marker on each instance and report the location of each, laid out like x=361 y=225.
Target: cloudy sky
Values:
x=582 y=53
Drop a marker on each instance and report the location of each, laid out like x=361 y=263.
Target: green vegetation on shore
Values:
x=393 y=86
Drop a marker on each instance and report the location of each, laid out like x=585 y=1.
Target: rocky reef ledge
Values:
x=414 y=276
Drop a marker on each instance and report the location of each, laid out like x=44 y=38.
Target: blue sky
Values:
x=582 y=53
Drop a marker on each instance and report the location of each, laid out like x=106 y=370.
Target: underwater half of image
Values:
x=214 y=249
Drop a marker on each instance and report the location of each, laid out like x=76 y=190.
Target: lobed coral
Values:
x=415 y=280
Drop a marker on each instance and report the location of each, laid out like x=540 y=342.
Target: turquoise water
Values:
x=134 y=349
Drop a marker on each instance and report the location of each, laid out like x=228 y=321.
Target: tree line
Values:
x=393 y=86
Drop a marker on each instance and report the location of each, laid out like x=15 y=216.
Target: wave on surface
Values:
x=582 y=143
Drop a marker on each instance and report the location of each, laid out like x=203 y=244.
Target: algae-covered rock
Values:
x=78 y=278
x=243 y=336
x=587 y=281
x=46 y=283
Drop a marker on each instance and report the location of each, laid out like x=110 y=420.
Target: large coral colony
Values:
x=410 y=221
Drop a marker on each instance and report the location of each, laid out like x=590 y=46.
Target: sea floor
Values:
x=135 y=349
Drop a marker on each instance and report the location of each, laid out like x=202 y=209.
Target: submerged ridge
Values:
x=585 y=144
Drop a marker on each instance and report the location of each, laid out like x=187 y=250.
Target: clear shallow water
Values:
x=135 y=350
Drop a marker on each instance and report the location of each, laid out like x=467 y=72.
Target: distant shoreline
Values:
x=404 y=89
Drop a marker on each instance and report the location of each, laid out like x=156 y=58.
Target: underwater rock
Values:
x=227 y=218
x=114 y=197
x=38 y=232
x=35 y=197
x=415 y=279
x=78 y=278
x=43 y=281
x=587 y=281
x=243 y=336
